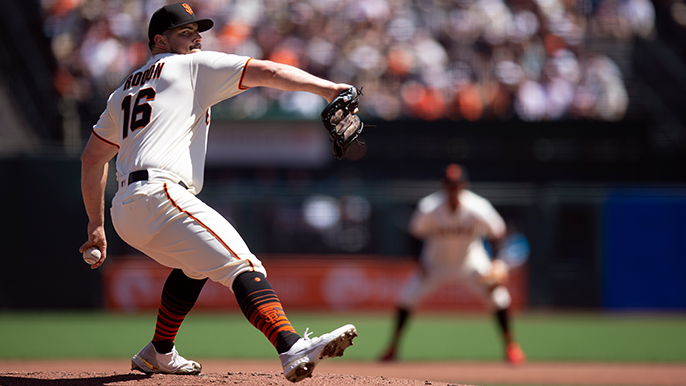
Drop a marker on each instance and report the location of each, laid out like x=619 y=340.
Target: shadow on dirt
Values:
x=95 y=381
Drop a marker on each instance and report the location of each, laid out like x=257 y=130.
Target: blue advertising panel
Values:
x=644 y=263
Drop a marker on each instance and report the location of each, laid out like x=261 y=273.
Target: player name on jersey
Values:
x=142 y=77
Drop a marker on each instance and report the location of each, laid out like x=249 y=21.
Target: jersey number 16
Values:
x=138 y=116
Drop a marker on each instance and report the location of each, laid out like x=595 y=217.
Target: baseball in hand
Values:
x=91 y=255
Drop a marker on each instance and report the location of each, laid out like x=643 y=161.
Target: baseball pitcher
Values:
x=157 y=123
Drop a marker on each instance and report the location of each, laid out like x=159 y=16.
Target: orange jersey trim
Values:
x=103 y=139
x=166 y=192
x=245 y=68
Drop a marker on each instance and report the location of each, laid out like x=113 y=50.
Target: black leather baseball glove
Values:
x=341 y=120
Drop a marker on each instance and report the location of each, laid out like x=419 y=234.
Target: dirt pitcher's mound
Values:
x=115 y=372
x=61 y=378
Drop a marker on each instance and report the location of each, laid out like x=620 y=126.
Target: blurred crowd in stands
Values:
x=421 y=59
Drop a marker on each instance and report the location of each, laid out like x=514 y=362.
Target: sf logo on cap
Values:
x=187 y=8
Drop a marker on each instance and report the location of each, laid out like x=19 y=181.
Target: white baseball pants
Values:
x=165 y=221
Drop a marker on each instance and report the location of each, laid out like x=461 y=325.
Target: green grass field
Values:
x=430 y=337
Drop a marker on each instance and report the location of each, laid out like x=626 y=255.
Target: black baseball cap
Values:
x=172 y=16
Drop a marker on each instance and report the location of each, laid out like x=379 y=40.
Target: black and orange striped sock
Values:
x=178 y=298
x=262 y=307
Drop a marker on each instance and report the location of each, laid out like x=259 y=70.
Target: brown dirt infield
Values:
x=340 y=372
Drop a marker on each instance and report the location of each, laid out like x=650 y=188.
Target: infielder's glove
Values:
x=341 y=121
x=498 y=275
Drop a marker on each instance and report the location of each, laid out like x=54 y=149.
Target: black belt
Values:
x=142 y=175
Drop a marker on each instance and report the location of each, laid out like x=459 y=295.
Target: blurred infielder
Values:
x=157 y=124
x=453 y=223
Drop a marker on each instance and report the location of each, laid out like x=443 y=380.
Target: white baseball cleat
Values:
x=150 y=361
x=299 y=362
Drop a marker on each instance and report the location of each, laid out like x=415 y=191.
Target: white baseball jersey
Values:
x=160 y=116
x=159 y=119
x=450 y=236
x=453 y=248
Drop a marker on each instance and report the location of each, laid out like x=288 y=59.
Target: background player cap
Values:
x=454 y=174
x=175 y=15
